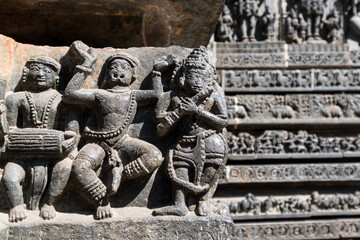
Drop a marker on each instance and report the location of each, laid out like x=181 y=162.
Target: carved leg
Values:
x=317 y=27
x=309 y=27
x=179 y=207
x=13 y=178
x=147 y=157
x=59 y=179
x=252 y=27
x=243 y=29
x=90 y=159
x=203 y=207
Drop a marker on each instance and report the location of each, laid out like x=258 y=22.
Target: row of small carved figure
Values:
x=284 y=142
x=316 y=202
x=252 y=20
x=300 y=106
x=240 y=19
x=292 y=78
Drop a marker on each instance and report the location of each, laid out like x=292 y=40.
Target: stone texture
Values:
x=128 y=223
x=110 y=22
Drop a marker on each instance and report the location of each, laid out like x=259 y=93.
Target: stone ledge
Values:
x=127 y=223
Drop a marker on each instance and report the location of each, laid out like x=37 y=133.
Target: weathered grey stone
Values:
x=129 y=223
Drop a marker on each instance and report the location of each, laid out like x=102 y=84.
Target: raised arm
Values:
x=145 y=97
x=73 y=93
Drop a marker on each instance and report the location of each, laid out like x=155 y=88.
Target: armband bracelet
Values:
x=156 y=73
x=199 y=111
x=84 y=69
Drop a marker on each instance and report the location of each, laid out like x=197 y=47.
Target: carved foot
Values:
x=203 y=208
x=104 y=211
x=172 y=210
x=17 y=214
x=47 y=212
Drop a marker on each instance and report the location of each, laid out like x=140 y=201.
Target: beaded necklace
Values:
x=106 y=135
x=43 y=122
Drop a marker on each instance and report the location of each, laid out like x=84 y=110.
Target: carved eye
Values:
x=47 y=70
x=34 y=69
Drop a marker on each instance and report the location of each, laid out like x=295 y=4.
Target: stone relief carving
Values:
x=196 y=104
x=303 y=108
x=286 y=142
x=247 y=21
x=109 y=149
x=40 y=130
x=291 y=80
x=37 y=138
x=270 y=173
x=316 y=229
x=316 y=203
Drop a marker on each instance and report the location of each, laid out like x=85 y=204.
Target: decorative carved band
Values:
x=292 y=173
x=295 y=207
x=321 y=229
x=324 y=80
x=294 y=109
x=284 y=144
x=298 y=55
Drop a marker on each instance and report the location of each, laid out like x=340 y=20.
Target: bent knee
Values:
x=89 y=158
x=155 y=157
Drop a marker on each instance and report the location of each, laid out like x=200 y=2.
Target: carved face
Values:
x=41 y=77
x=194 y=80
x=120 y=73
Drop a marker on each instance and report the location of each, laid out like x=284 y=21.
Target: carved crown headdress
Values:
x=46 y=61
x=199 y=58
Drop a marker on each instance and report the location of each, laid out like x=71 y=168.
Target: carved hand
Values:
x=163 y=63
x=86 y=52
x=187 y=106
x=70 y=141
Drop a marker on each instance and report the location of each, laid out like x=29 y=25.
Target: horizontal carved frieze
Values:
x=295 y=206
x=267 y=55
x=319 y=229
x=328 y=172
x=311 y=80
x=294 y=109
x=280 y=144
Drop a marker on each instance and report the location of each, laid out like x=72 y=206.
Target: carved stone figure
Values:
x=247 y=12
x=329 y=111
x=250 y=204
x=197 y=106
x=268 y=20
x=259 y=81
x=110 y=154
x=333 y=25
x=313 y=11
x=37 y=138
x=291 y=25
x=281 y=111
x=225 y=30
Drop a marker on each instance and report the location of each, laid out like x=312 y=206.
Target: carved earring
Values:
x=57 y=82
x=182 y=81
x=24 y=74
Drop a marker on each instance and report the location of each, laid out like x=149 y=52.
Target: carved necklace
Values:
x=106 y=135
x=34 y=114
